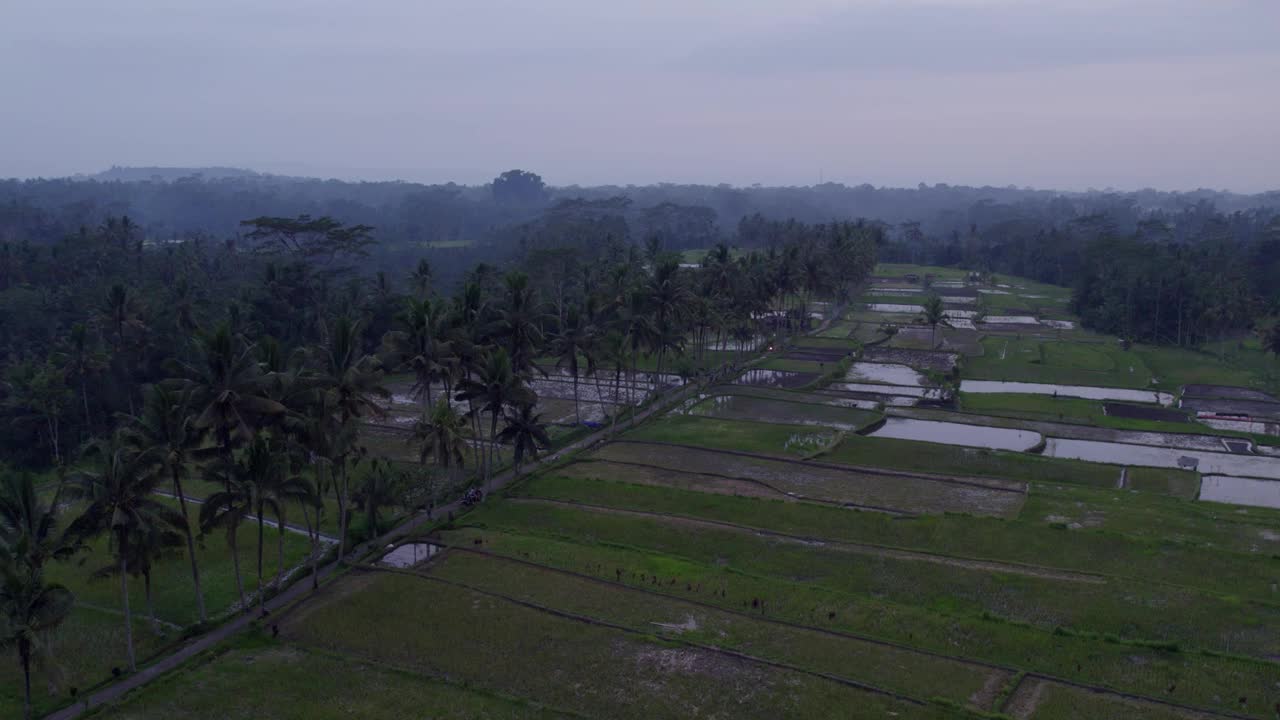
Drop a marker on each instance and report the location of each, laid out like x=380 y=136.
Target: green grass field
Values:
x=1062 y=362
x=257 y=678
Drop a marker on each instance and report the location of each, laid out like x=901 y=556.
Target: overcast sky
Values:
x=1071 y=94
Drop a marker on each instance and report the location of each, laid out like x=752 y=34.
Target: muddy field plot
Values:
x=935 y=360
x=739 y=407
x=776 y=378
x=897 y=492
x=876 y=664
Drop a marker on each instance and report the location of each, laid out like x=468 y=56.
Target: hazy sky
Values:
x=1051 y=93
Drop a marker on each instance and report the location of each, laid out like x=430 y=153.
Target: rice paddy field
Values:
x=796 y=545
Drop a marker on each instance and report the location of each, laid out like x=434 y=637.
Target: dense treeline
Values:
x=1154 y=276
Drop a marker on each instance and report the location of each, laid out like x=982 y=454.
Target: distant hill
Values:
x=169 y=174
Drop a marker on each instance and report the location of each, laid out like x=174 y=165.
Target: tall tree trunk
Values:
x=84 y=397
x=315 y=545
x=493 y=443
x=577 y=411
x=280 y=553
x=191 y=546
x=262 y=591
x=151 y=606
x=235 y=562
x=24 y=655
x=128 y=617
x=343 y=499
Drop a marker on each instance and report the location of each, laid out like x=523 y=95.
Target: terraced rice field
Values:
x=875 y=547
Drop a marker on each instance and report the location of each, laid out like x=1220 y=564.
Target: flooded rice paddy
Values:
x=911 y=391
x=1086 y=392
x=1240 y=491
x=948 y=433
x=783 y=412
x=890 y=373
x=1208 y=463
x=775 y=378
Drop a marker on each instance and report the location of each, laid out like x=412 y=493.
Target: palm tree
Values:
x=668 y=299
x=442 y=436
x=574 y=343
x=495 y=387
x=165 y=428
x=147 y=546
x=519 y=322
x=273 y=487
x=31 y=609
x=1271 y=340
x=421 y=277
x=28 y=520
x=525 y=432
x=227 y=510
x=122 y=505
x=380 y=489
x=353 y=380
x=421 y=347
x=29 y=537
x=934 y=315
x=228 y=389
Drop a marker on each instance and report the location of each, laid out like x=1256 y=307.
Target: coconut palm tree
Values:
x=421 y=347
x=668 y=300
x=441 y=436
x=149 y=544
x=31 y=608
x=227 y=510
x=30 y=537
x=353 y=381
x=166 y=429
x=519 y=322
x=228 y=388
x=495 y=387
x=526 y=432
x=571 y=346
x=121 y=504
x=28 y=519
x=934 y=315
x=273 y=487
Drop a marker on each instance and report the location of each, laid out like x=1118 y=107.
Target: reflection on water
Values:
x=1240 y=491
x=1076 y=391
x=775 y=378
x=890 y=373
x=1208 y=463
x=948 y=433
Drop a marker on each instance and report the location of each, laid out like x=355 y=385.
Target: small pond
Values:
x=1207 y=463
x=948 y=433
x=890 y=373
x=1087 y=392
x=1012 y=319
x=1240 y=491
x=775 y=378
x=911 y=391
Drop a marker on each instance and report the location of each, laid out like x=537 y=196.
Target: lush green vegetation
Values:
x=950 y=459
x=1059 y=362
x=257 y=678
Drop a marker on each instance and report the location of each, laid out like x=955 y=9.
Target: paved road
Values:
x=302 y=587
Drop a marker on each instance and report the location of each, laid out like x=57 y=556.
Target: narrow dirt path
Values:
x=1025 y=698
x=859 y=548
